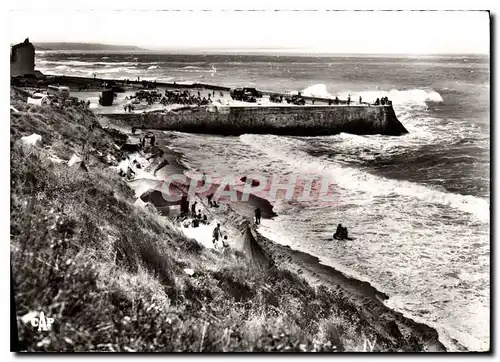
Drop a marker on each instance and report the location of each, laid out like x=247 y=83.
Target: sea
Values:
x=417 y=205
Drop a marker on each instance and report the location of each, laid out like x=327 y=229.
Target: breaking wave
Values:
x=287 y=150
x=317 y=90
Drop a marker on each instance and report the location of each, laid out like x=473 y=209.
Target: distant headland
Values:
x=86 y=47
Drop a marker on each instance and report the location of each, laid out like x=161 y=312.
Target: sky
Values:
x=352 y=32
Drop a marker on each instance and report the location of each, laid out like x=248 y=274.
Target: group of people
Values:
x=130 y=172
x=150 y=97
x=197 y=219
x=128 y=107
x=69 y=102
x=215 y=237
x=170 y=97
x=383 y=101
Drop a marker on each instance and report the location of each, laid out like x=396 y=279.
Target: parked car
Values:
x=276 y=98
x=296 y=99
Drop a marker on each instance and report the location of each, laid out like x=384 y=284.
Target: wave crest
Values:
x=287 y=151
x=417 y=96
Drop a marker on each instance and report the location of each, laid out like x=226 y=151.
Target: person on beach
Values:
x=348 y=99
x=152 y=140
x=195 y=223
x=193 y=209
x=257 y=216
x=205 y=220
x=216 y=233
x=209 y=198
x=199 y=215
x=360 y=100
x=203 y=179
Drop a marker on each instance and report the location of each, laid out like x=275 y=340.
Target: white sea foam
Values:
x=410 y=96
x=152 y=67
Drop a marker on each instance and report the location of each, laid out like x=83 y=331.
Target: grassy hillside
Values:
x=112 y=275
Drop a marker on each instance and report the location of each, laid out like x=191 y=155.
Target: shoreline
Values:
x=362 y=294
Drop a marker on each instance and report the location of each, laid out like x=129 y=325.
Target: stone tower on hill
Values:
x=22 y=59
